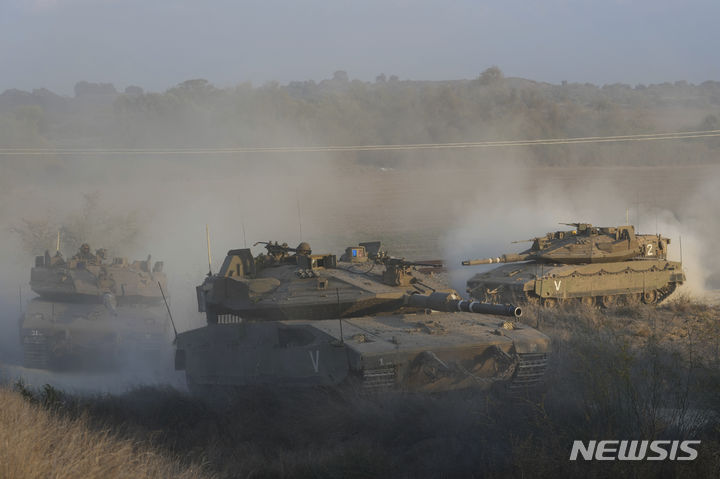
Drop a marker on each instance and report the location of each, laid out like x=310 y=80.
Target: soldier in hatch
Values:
x=85 y=255
x=280 y=253
x=101 y=255
x=303 y=248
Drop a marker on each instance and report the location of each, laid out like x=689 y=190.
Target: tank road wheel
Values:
x=631 y=299
x=609 y=300
x=588 y=301
x=650 y=297
x=550 y=303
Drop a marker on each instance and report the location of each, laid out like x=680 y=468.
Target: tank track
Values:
x=529 y=372
x=666 y=291
x=625 y=299
x=378 y=378
x=36 y=352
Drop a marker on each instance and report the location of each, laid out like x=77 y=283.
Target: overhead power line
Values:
x=339 y=148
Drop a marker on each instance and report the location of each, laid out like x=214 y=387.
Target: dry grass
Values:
x=636 y=372
x=683 y=325
x=35 y=443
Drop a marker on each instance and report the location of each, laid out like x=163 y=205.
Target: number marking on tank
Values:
x=557 y=285
x=649 y=250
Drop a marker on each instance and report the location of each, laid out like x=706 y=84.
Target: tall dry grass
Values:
x=36 y=443
x=634 y=372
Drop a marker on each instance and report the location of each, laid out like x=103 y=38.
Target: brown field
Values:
x=629 y=372
x=38 y=443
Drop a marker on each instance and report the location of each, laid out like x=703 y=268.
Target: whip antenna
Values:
x=242 y=223
x=168 y=310
x=297 y=196
x=207 y=238
x=680 y=249
x=337 y=293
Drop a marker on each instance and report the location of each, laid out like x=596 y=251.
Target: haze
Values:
x=55 y=43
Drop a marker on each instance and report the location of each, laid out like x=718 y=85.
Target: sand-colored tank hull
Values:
x=649 y=281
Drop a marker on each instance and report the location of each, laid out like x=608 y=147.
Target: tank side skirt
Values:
x=577 y=284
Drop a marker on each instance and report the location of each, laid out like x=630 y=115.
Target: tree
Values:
x=341 y=76
x=491 y=76
x=83 y=88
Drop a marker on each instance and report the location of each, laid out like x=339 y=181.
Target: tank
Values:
x=292 y=318
x=587 y=264
x=92 y=311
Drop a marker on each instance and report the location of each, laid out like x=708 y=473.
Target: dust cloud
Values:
x=442 y=209
x=677 y=202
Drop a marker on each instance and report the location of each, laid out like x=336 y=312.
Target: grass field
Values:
x=628 y=373
x=37 y=441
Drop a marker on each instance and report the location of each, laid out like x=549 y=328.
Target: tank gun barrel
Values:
x=402 y=262
x=451 y=302
x=506 y=258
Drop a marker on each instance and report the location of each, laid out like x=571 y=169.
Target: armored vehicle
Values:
x=92 y=310
x=293 y=318
x=586 y=264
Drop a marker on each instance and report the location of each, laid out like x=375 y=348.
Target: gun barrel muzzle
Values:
x=489 y=308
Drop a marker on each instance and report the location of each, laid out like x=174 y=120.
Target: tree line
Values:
x=341 y=111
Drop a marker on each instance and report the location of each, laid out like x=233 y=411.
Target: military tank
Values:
x=92 y=310
x=289 y=317
x=588 y=264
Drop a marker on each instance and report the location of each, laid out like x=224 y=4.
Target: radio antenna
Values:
x=297 y=197
x=168 y=309
x=337 y=293
x=680 y=249
x=656 y=221
x=207 y=238
x=57 y=243
x=242 y=223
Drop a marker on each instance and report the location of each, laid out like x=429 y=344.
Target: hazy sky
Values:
x=159 y=43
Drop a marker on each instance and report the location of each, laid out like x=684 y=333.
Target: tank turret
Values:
x=88 y=277
x=589 y=264
x=291 y=317
x=587 y=244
